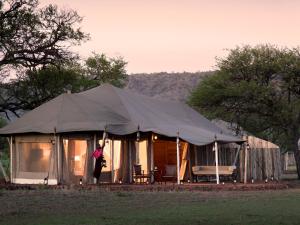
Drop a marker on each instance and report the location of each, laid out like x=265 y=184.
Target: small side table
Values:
x=156 y=175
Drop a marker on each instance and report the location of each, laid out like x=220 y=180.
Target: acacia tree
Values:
x=259 y=89
x=36 y=42
x=34 y=87
x=102 y=69
x=41 y=85
x=31 y=36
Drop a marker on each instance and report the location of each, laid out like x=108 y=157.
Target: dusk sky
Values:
x=186 y=35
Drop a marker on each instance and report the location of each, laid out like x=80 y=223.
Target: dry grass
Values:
x=46 y=206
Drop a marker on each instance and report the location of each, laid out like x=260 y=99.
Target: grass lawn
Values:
x=100 y=207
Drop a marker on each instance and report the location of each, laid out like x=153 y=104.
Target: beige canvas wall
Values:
x=34 y=159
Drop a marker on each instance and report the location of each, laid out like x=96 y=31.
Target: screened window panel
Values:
x=34 y=157
x=117 y=153
x=141 y=155
x=79 y=157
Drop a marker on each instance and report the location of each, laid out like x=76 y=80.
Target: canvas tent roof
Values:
x=121 y=112
x=254 y=142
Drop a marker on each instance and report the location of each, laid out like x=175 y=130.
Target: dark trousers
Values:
x=98 y=168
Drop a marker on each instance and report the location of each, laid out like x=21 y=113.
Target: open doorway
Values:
x=141 y=155
x=76 y=158
x=165 y=159
x=112 y=155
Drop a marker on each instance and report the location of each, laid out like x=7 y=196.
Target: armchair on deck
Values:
x=171 y=173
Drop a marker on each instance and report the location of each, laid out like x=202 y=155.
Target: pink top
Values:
x=98 y=153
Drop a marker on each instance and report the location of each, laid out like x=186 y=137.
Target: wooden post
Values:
x=217 y=162
x=245 y=169
x=178 y=160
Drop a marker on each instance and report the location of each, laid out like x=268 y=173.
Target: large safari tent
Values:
x=55 y=140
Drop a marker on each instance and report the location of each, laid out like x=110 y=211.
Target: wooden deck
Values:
x=164 y=187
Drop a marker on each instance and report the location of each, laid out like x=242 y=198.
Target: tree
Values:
x=259 y=89
x=38 y=86
x=102 y=69
x=33 y=39
x=30 y=36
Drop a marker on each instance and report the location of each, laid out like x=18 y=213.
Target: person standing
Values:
x=98 y=155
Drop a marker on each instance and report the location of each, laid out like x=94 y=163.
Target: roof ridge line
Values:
x=116 y=89
x=60 y=110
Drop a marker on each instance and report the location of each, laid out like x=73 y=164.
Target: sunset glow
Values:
x=178 y=35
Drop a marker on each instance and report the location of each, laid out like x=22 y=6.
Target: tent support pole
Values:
x=129 y=144
x=11 y=159
x=58 y=151
x=217 y=162
x=178 y=160
x=151 y=158
x=112 y=160
x=94 y=160
x=245 y=169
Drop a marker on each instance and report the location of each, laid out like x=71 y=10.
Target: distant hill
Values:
x=171 y=86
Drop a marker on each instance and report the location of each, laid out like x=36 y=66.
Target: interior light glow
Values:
x=46 y=153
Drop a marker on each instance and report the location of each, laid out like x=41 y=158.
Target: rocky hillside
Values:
x=172 y=86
